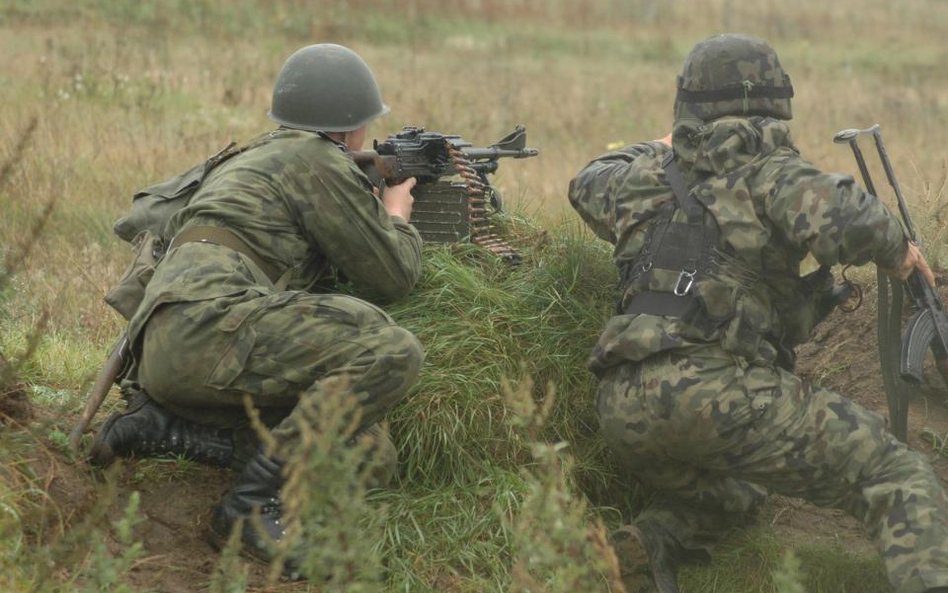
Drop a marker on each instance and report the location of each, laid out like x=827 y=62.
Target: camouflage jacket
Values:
x=304 y=207
x=772 y=209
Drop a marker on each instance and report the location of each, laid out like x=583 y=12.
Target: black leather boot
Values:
x=647 y=552
x=145 y=429
x=256 y=492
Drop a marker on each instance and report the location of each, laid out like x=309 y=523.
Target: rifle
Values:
x=927 y=329
x=446 y=211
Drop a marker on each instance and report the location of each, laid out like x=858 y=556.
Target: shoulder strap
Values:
x=687 y=202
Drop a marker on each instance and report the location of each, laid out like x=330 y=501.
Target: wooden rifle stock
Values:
x=110 y=371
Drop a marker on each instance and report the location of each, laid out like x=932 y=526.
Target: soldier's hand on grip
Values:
x=398 y=200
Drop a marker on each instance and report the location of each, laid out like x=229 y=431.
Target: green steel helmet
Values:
x=325 y=88
x=733 y=74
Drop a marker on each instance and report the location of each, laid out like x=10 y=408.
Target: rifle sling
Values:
x=224 y=238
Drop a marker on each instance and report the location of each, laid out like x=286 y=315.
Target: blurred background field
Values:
x=126 y=93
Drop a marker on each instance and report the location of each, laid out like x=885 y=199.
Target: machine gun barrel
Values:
x=492 y=153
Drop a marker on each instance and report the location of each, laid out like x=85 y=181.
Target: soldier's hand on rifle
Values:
x=398 y=200
x=667 y=140
x=914 y=260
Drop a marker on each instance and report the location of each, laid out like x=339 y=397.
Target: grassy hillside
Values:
x=101 y=97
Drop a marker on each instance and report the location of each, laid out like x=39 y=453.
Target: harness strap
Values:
x=652 y=302
x=682 y=247
x=687 y=308
x=676 y=179
x=224 y=238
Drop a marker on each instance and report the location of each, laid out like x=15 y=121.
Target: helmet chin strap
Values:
x=349 y=139
x=337 y=137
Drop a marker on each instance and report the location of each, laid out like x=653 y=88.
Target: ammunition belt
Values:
x=460 y=210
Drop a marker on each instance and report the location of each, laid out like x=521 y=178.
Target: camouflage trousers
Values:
x=713 y=435
x=201 y=359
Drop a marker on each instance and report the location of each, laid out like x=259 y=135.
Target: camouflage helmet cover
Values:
x=733 y=74
x=326 y=88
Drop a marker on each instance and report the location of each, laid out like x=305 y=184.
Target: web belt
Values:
x=224 y=238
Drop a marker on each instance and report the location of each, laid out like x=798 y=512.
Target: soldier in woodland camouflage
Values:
x=697 y=396
x=243 y=303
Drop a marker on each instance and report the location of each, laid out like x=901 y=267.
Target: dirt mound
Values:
x=175 y=508
x=175 y=501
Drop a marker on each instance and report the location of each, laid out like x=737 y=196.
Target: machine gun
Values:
x=428 y=156
x=928 y=327
x=447 y=211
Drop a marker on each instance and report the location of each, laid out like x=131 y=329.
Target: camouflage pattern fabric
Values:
x=278 y=349
x=740 y=429
x=213 y=327
x=705 y=417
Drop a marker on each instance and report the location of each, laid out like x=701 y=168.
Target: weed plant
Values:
x=558 y=546
x=332 y=530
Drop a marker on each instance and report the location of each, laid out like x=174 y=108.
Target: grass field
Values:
x=101 y=97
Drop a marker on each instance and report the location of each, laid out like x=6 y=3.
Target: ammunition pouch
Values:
x=145 y=225
x=128 y=293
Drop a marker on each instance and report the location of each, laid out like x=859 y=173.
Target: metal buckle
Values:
x=688 y=278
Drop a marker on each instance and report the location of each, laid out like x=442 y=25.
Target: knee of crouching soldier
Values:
x=404 y=354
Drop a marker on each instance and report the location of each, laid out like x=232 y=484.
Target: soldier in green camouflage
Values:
x=697 y=396
x=244 y=302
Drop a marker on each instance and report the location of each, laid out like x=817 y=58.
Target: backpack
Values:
x=145 y=227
